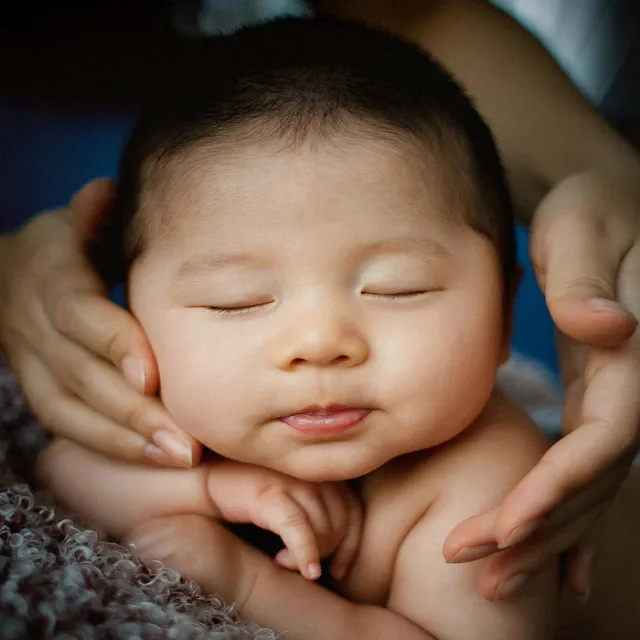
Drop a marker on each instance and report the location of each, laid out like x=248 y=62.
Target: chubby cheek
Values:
x=448 y=374
x=202 y=385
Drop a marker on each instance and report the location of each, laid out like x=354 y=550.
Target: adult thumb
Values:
x=577 y=272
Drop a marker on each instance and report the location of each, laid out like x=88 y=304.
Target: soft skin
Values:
x=329 y=275
x=574 y=179
x=396 y=315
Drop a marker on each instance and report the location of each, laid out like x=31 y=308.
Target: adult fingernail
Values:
x=133 y=370
x=176 y=446
x=159 y=456
x=468 y=554
x=510 y=586
x=610 y=306
x=519 y=534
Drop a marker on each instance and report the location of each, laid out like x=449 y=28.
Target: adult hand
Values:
x=585 y=248
x=84 y=363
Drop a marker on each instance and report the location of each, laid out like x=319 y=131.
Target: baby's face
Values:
x=318 y=311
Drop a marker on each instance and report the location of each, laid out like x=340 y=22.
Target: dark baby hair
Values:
x=301 y=81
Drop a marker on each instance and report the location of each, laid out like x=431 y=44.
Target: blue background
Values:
x=46 y=154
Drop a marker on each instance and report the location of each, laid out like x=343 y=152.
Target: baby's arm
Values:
x=313 y=520
x=428 y=597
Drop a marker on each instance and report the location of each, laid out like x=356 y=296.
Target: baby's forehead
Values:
x=208 y=182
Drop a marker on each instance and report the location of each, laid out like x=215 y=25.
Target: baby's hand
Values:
x=314 y=520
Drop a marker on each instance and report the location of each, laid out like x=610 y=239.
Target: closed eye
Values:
x=240 y=309
x=399 y=295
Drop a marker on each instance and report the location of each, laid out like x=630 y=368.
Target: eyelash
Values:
x=237 y=311
x=404 y=295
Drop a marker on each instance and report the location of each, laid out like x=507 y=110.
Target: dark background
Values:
x=71 y=74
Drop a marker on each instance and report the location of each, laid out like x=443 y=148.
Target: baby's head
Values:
x=318 y=241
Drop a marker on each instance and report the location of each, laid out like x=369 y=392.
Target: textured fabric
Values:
x=61 y=580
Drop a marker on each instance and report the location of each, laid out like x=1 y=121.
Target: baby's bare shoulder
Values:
x=497 y=450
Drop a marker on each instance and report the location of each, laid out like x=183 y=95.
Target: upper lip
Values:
x=331 y=408
x=327 y=409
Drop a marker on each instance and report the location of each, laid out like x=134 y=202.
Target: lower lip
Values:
x=326 y=424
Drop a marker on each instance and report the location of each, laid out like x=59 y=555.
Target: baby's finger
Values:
x=311 y=501
x=286 y=560
x=348 y=549
x=281 y=513
x=506 y=572
x=336 y=501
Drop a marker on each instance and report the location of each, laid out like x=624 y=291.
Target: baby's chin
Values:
x=327 y=470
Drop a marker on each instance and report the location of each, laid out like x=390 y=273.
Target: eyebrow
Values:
x=424 y=247
x=207 y=262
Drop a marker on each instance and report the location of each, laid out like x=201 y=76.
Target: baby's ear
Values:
x=509 y=310
x=90 y=208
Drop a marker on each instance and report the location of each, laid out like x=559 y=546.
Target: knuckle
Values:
x=83 y=377
x=587 y=283
x=139 y=416
x=48 y=414
x=293 y=519
x=46 y=258
x=115 y=346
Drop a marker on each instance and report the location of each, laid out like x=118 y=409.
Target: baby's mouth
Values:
x=317 y=421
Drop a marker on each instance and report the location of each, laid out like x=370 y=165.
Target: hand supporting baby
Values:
x=314 y=520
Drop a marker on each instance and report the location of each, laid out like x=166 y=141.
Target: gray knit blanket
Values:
x=59 y=579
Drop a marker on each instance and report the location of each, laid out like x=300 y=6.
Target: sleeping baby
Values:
x=317 y=236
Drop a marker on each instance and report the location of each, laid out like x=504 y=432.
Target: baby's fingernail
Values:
x=468 y=554
x=519 y=534
x=133 y=370
x=314 y=570
x=510 y=586
x=176 y=446
x=610 y=306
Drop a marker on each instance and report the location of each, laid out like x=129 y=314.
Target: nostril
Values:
x=297 y=361
x=339 y=359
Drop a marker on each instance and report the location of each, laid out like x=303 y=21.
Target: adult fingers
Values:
x=70 y=418
x=79 y=310
x=472 y=539
x=605 y=439
x=90 y=205
x=506 y=572
x=577 y=256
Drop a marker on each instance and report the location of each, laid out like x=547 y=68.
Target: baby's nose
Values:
x=321 y=342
